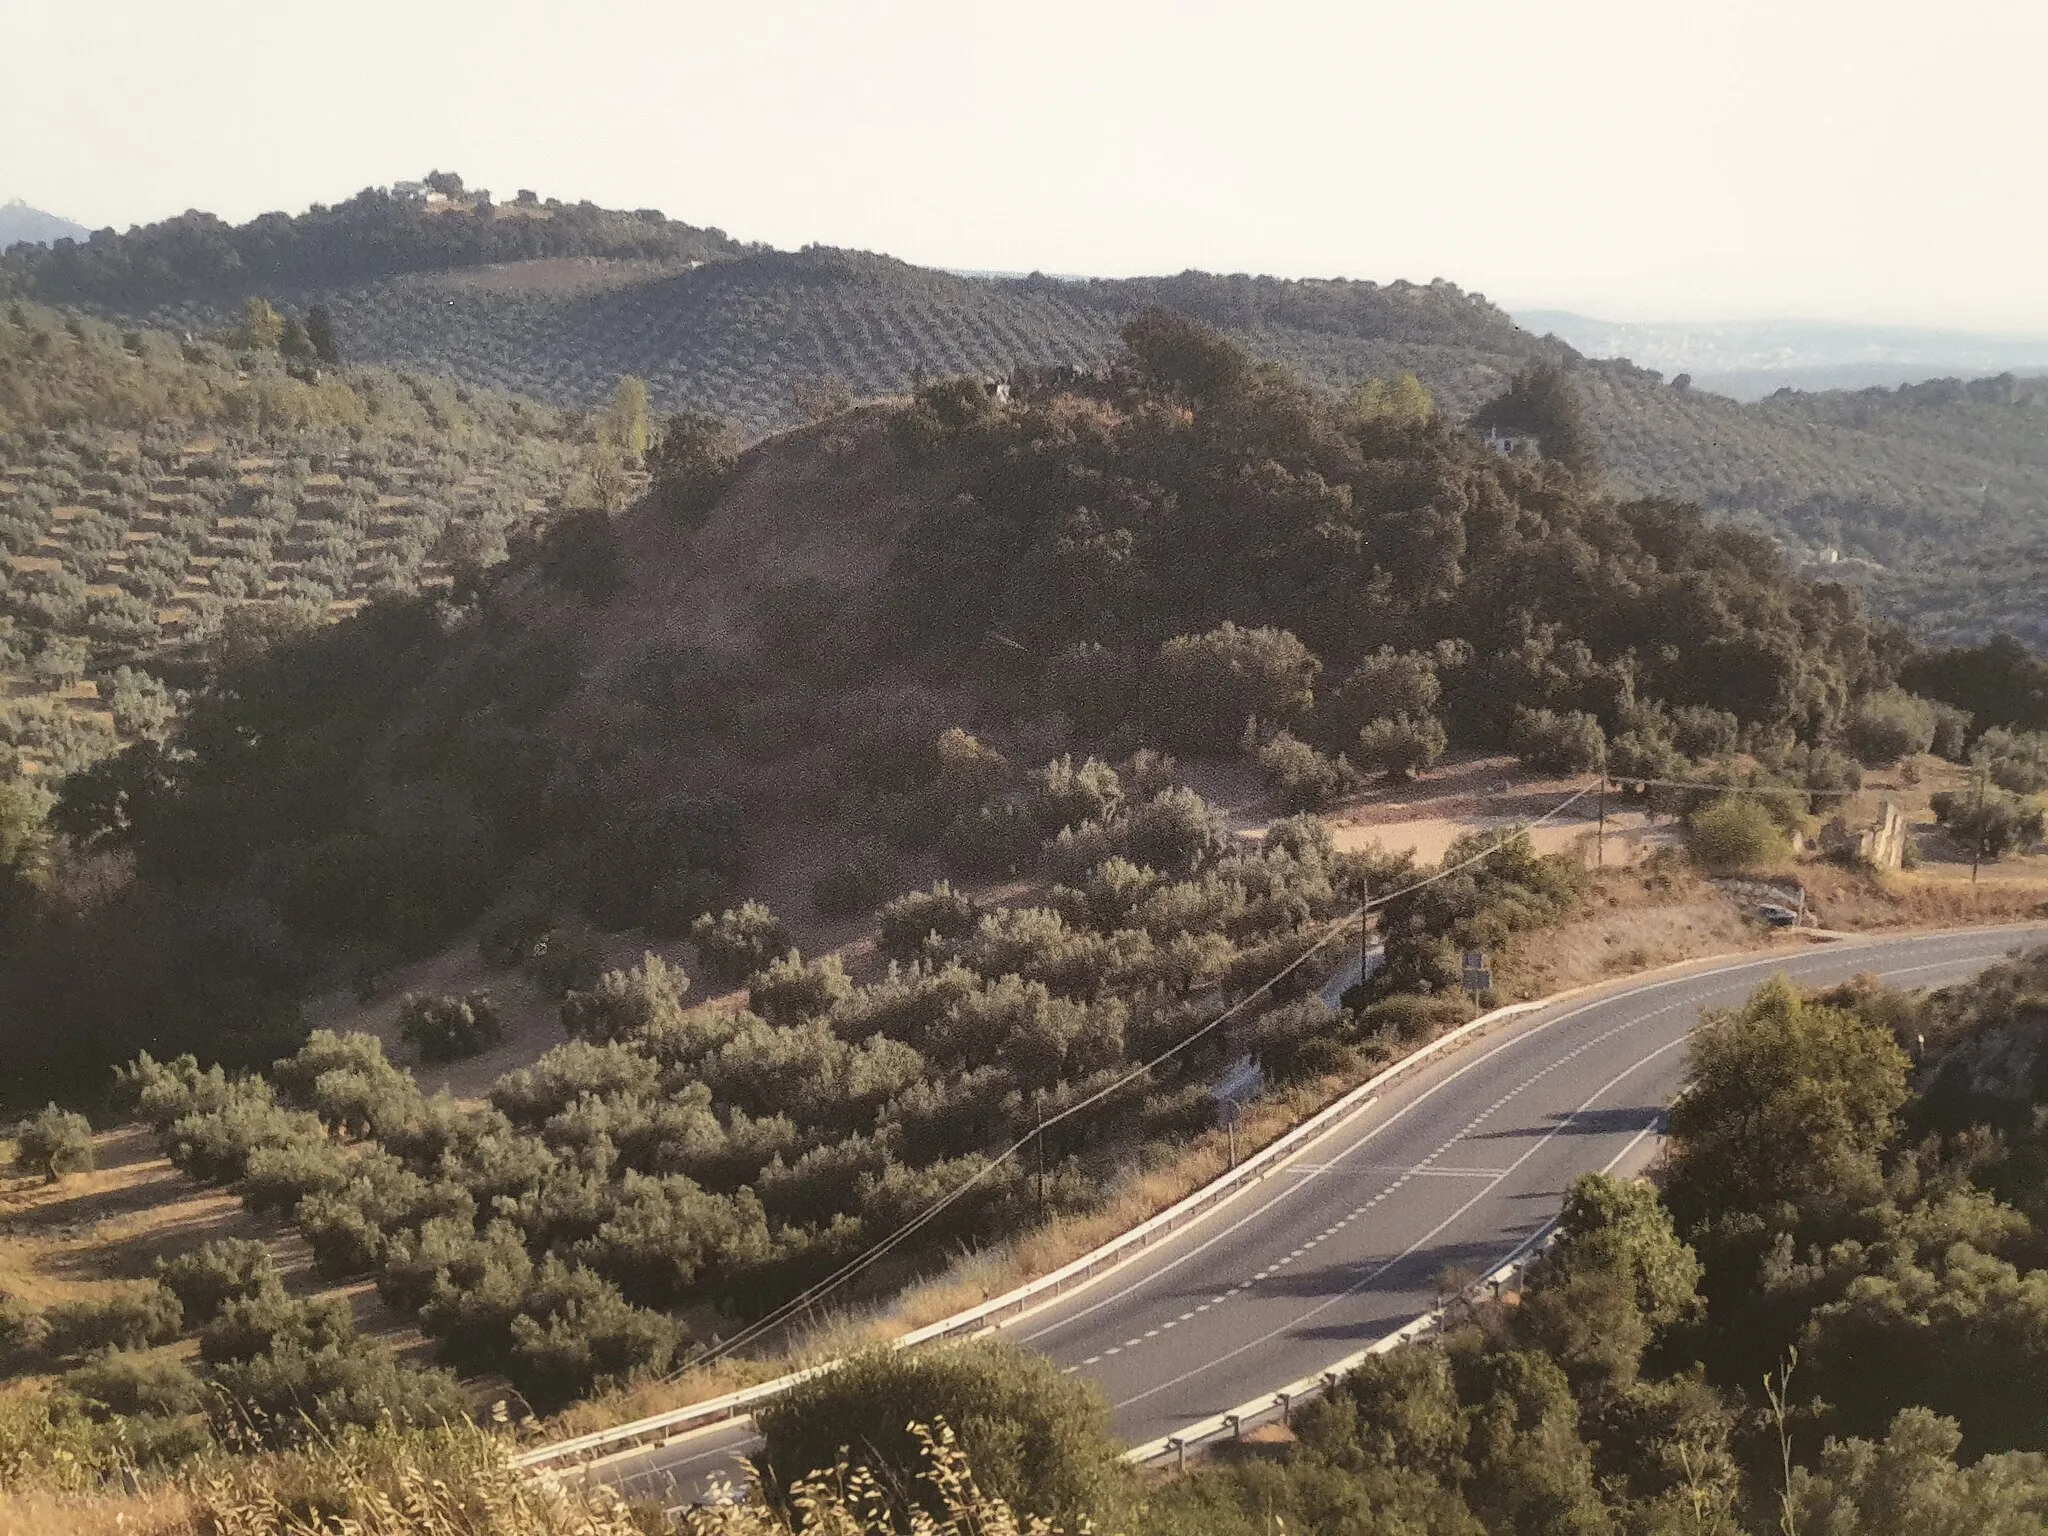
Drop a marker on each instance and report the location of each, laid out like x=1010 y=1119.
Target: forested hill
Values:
x=1931 y=498
x=375 y=234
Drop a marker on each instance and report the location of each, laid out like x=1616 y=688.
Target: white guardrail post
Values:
x=667 y=1426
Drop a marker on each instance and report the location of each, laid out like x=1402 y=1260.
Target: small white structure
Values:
x=1514 y=445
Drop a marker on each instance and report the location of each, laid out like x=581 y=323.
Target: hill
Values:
x=157 y=494
x=1931 y=497
x=20 y=223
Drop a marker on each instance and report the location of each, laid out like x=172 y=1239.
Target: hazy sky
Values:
x=1637 y=159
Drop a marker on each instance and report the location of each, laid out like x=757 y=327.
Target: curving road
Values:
x=1454 y=1168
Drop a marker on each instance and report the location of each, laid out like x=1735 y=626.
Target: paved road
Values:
x=1453 y=1169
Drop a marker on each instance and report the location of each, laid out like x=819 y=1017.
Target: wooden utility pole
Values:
x=1600 y=834
x=1977 y=826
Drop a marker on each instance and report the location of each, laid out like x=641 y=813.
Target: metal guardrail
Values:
x=1008 y=1307
x=1278 y=1407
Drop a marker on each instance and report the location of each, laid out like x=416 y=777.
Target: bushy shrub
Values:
x=2014 y=760
x=1207 y=686
x=1550 y=742
x=739 y=941
x=626 y=1005
x=447 y=1028
x=127 y=1383
x=568 y=957
x=248 y=1326
x=1884 y=727
x=134 y=1318
x=1401 y=746
x=53 y=1142
x=791 y=992
x=576 y=1334
x=1036 y=1438
x=1000 y=837
x=1066 y=795
x=692 y=461
x=1735 y=833
x=1299 y=778
x=854 y=884
x=292 y=1395
x=223 y=1270
x=1301 y=1040
x=1174 y=832
x=912 y=919
x=278 y=1178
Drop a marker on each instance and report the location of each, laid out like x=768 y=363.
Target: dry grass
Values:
x=1636 y=919
x=90 y=1233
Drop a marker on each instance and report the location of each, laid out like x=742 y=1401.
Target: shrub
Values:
x=2014 y=760
x=1207 y=686
x=226 y=1269
x=739 y=941
x=1175 y=832
x=1300 y=1040
x=692 y=463
x=626 y=1005
x=1550 y=742
x=292 y=1395
x=1299 y=778
x=566 y=958
x=1884 y=727
x=1037 y=1439
x=1063 y=795
x=1735 y=833
x=449 y=1028
x=53 y=1142
x=1402 y=746
x=854 y=884
x=278 y=1178
x=998 y=838
x=910 y=920
x=270 y=1320
x=127 y=1383
x=1386 y=685
x=790 y=992
x=576 y=1334
x=133 y=1319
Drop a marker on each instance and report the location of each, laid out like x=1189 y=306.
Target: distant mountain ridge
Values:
x=1749 y=359
x=19 y=222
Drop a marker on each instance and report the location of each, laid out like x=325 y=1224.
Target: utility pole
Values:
x=1977 y=826
x=1600 y=834
x=1040 y=1138
x=1364 y=919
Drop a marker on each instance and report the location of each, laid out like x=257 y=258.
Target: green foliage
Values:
x=1550 y=742
x=1207 y=686
x=1888 y=726
x=1786 y=1107
x=1735 y=833
x=692 y=462
x=128 y=1383
x=739 y=941
x=2014 y=760
x=909 y=922
x=627 y=1005
x=1401 y=746
x=450 y=1028
x=1299 y=778
x=53 y=1142
x=215 y=1273
x=789 y=992
x=1991 y=823
x=1541 y=400
x=1038 y=1440
x=134 y=1318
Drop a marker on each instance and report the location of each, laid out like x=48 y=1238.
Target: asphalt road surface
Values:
x=1455 y=1168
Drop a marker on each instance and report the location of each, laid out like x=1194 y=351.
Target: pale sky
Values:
x=1843 y=159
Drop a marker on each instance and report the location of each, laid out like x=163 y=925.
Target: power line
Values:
x=812 y=1295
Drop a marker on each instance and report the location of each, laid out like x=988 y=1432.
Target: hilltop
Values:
x=19 y=222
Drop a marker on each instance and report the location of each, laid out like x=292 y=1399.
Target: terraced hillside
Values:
x=736 y=336
x=149 y=492
x=1931 y=497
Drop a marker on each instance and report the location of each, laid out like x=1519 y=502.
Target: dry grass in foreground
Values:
x=458 y=1481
